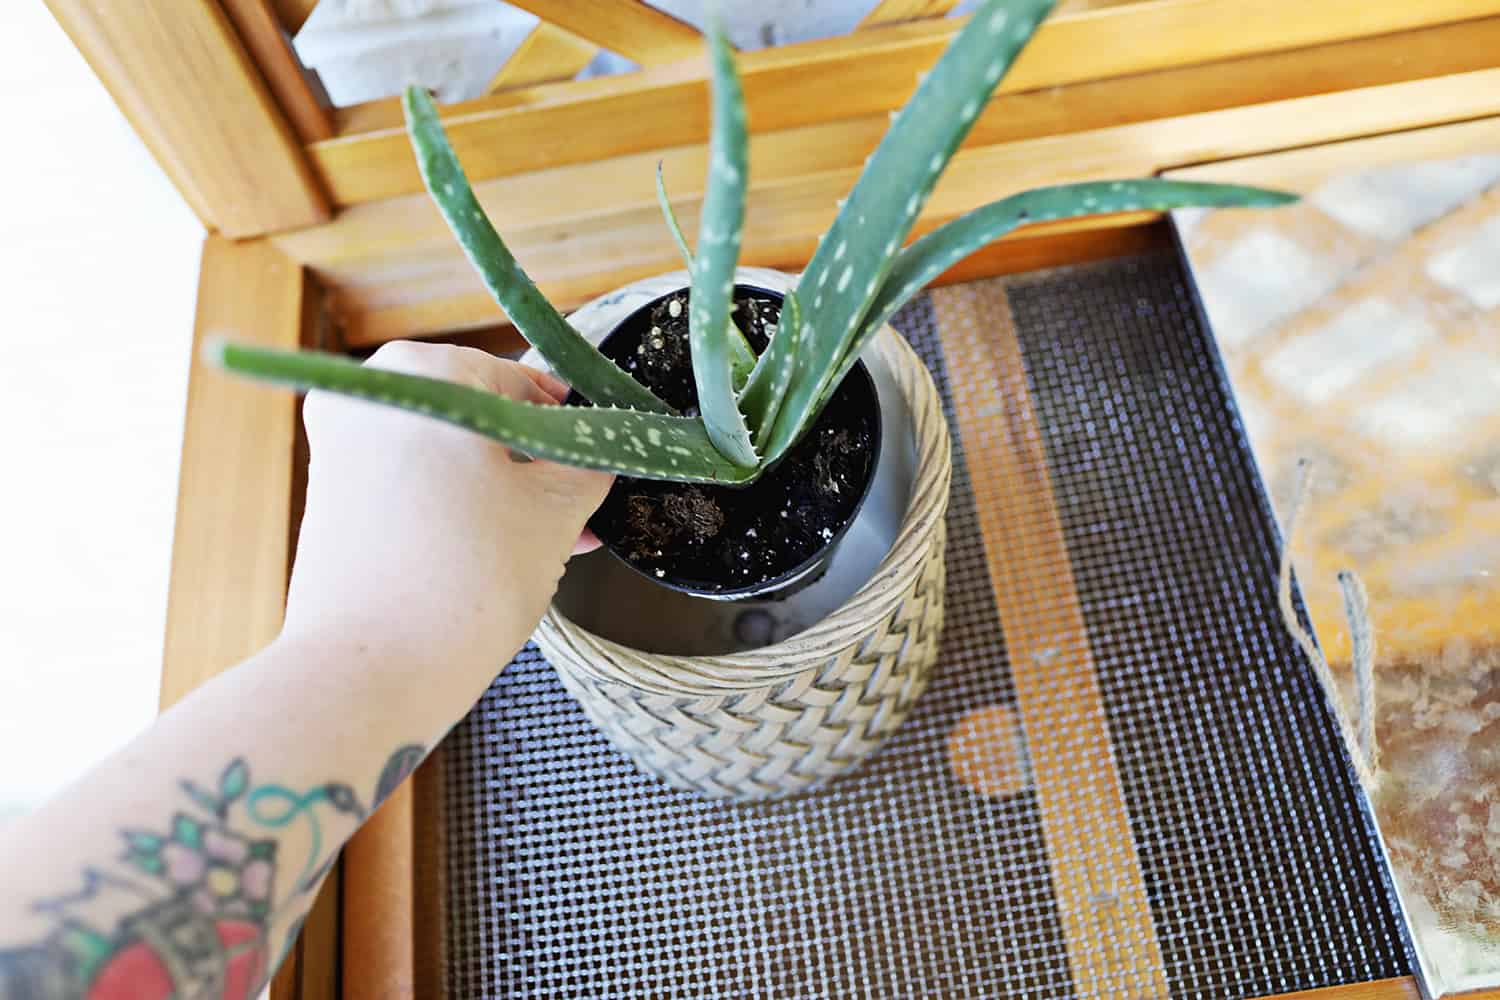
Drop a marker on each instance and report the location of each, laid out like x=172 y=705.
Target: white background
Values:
x=98 y=269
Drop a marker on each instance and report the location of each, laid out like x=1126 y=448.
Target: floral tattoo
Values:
x=188 y=909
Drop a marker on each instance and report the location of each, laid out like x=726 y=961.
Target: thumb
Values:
x=585 y=488
x=573 y=493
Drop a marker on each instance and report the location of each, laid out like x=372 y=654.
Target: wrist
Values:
x=406 y=646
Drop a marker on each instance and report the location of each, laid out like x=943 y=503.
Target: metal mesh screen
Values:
x=572 y=875
x=1263 y=874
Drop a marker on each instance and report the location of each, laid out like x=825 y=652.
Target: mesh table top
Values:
x=1122 y=780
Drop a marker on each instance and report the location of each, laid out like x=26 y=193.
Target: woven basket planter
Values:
x=784 y=718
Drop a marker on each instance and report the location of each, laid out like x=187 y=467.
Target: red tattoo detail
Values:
x=138 y=972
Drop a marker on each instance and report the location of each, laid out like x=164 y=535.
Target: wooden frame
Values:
x=583 y=228
x=339 y=245
x=184 y=79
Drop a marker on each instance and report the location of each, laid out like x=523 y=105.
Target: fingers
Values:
x=549 y=383
x=470 y=366
x=578 y=488
x=587 y=542
x=415 y=358
x=510 y=379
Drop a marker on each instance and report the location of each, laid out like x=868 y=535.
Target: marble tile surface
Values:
x=1361 y=331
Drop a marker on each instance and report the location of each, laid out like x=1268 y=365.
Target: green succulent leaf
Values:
x=576 y=360
x=625 y=442
x=742 y=359
x=945 y=246
x=742 y=355
x=709 y=322
x=671 y=217
x=766 y=389
x=852 y=259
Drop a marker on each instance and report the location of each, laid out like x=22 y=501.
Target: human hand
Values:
x=425 y=537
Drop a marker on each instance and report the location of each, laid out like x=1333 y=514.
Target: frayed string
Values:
x=1360 y=736
x=1362 y=634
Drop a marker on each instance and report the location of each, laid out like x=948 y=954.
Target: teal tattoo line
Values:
x=293 y=806
x=232 y=785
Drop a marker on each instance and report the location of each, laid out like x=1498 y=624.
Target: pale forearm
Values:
x=222 y=817
x=180 y=866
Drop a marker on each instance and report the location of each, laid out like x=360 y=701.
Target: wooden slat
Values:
x=229 y=563
x=1097 y=881
x=1302 y=170
x=1042 y=246
x=267 y=44
x=863 y=74
x=1404 y=988
x=581 y=191
x=229 y=550
x=398 y=271
x=896 y=11
x=893 y=11
x=1062 y=243
x=394 y=941
x=379 y=958
x=179 y=73
x=1075 y=6
x=318 y=948
x=430 y=875
x=629 y=27
x=546 y=55
x=293 y=13
x=285 y=984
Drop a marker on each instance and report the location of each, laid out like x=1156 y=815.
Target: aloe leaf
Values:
x=945 y=246
x=723 y=214
x=851 y=261
x=576 y=360
x=671 y=217
x=742 y=355
x=763 y=396
x=625 y=442
x=742 y=358
x=772 y=361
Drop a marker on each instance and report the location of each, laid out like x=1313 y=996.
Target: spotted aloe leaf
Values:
x=719 y=227
x=625 y=442
x=851 y=261
x=671 y=218
x=742 y=355
x=945 y=246
x=572 y=357
x=762 y=397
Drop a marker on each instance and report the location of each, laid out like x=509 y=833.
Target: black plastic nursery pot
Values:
x=763 y=541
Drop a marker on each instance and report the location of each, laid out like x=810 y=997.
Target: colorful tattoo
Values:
x=398 y=767
x=262 y=806
x=190 y=912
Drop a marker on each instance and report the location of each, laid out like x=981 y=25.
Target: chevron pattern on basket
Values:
x=781 y=720
x=779 y=741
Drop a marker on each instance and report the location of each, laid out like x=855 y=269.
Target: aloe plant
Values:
x=753 y=409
